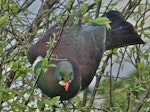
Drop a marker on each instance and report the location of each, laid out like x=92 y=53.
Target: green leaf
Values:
x=47 y=102
x=68 y=4
x=78 y=105
x=45 y=62
x=44 y=69
x=38 y=71
x=146 y=35
x=39 y=104
x=1 y=96
x=55 y=99
x=4 y=20
x=76 y=21
x=146 y=56
x=51 y=42
x=62 y=83
x=96 y=2
x=52 y=101
x=14 y=7
x=1 y=51
x=84 y=9
x=20 y=19
x=142 y=23
x=52 y=65
x=102 y=21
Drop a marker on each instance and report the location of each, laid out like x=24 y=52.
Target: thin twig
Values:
x=110 y=82
x=128 y=100
x=98 y=78
x=121 y=63
x=131 y=12
x=98 y=8
x=140 y=104
x=107 y=7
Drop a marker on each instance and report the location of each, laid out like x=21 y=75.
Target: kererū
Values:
x=78 y=54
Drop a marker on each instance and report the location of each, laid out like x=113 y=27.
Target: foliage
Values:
x=20 y=27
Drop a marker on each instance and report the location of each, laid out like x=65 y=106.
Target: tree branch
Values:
x=139 y=105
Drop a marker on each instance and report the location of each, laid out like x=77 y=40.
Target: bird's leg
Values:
x=53 y=108
x=64 y=103
x=61 y=102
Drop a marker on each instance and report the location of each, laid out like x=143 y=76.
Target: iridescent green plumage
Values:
x=62 y=76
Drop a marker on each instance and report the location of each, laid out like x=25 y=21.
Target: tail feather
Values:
x=122 y=32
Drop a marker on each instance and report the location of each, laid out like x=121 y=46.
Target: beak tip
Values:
x=67 y=84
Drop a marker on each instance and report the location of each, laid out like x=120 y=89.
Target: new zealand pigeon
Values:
x=78 y=54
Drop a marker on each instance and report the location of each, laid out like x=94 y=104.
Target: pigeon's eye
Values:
x=62 y=78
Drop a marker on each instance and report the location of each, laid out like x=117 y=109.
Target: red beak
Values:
x=67 y=84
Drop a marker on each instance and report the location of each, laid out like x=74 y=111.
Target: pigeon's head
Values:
x=64 y=74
